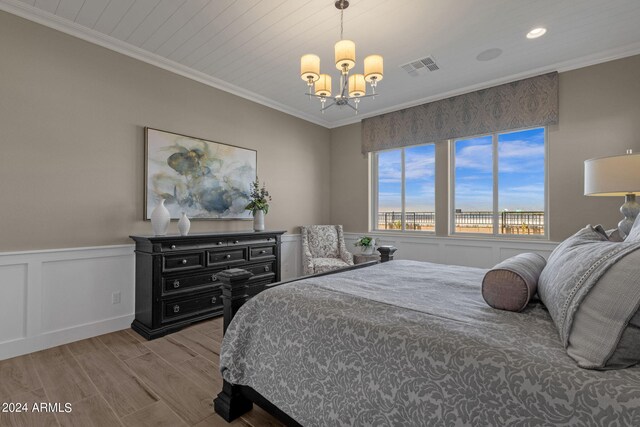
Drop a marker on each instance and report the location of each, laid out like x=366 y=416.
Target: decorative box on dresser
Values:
x=176 y=282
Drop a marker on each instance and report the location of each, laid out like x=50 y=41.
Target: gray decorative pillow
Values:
x=634 y=233
x=591 y=287
x=614 y=235
x=511 y=284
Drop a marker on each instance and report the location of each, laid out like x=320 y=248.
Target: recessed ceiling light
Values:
x=536 y=32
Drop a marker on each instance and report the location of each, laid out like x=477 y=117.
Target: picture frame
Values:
x=206 y=180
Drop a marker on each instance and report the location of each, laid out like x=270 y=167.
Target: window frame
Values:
x=496 y=195
x=373 y=217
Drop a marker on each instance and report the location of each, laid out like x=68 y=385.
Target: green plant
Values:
x=364 y=241
x=259 y=197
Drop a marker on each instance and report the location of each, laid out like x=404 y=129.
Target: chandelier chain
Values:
x=341 y=21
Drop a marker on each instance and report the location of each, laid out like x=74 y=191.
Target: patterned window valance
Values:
x=525 y=103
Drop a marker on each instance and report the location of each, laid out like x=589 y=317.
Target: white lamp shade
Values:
x=345 y=54
x=310 y=67
x=612 y=176
x=373 y=68
x=357 y=85
x=323 y=85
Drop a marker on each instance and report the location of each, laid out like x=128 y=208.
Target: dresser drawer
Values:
x=252 y=240
x=173 y=309
x=261 y=271
x=177 y=284
x=227 y=257
x=262 y=252
x=183 y=261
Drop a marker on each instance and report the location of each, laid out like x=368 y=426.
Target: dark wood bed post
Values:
x=386 y=252
x=230 y=403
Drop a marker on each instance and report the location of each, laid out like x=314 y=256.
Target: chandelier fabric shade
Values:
x=345 y=55
x=310 y=68
x=357 y=85
x=323 y=85
x=373 y=68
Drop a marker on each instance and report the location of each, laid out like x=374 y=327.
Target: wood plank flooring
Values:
x=120 y=379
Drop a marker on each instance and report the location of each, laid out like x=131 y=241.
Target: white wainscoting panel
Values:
x=52 y=297
x=472 y=252
x=291 y=256
x=13 y=301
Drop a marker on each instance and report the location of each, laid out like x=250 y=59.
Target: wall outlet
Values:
x=115 y=298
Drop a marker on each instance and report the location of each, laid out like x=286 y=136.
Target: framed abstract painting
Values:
x=203 y=179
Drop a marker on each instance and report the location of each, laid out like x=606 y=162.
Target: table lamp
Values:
x=616 y=176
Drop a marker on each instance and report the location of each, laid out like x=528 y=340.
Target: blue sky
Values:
x=520 y=179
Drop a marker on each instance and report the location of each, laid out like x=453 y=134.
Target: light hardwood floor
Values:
x=120 y=379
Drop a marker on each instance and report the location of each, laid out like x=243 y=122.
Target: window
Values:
x=499 y=183
x=404 y=181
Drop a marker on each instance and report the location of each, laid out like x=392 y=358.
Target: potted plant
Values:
x=259 y=204
x=367 y=245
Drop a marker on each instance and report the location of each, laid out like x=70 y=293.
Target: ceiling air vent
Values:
x=418 y=66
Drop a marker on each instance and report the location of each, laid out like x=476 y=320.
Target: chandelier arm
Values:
x=354 y=108
x=333 y=103
x=344 y=91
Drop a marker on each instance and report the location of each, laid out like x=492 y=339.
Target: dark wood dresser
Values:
x=176 y=281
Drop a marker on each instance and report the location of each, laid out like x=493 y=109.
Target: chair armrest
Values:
x=346 y=256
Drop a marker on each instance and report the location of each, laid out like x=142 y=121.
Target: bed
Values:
x=407 y=343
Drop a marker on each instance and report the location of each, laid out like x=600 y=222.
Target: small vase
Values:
x=366 y=250
x=160 y=219
x=258 y=220
x=184 y=225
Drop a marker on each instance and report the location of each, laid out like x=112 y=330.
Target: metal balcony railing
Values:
x=530 y=222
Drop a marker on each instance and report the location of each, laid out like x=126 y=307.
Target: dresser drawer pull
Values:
x=228 y=256
x=176 y=308
x=263 y=252
x=219 y=243
x=266 y=268
x=213 y=300
x=173 y=246
x=184 y=261
x=176 y=284
x=236 y=241
x=214 y=278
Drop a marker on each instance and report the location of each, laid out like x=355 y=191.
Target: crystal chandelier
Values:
x=352 y=87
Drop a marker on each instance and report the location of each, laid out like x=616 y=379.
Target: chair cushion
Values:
x=323 y=241
x=321 y=265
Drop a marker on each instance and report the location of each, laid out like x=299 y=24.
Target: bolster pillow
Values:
x=511 y=284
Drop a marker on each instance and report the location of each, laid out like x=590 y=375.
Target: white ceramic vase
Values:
x=258 y=220
x=160 y=219
x=184 y=225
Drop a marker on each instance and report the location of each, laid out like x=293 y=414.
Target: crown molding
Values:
x=47 y=19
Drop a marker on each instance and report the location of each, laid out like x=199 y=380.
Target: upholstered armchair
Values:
x=323 y=248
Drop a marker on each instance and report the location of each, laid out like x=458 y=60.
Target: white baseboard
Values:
x=472 y=252
x=53 y=297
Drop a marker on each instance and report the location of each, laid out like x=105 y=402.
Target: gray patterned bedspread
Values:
x=410 y=343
